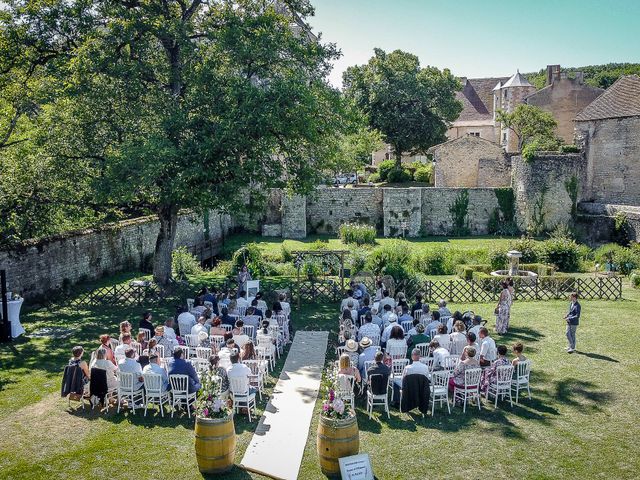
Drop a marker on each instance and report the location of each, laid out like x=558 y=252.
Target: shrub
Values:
x=466 y=271
x=423 y=173
x=569 y=149
x=392 y=258
x=319 y=244
x=562 y=230
x=385 y=167
x=374 y=177
x=357 y=233
x=312 y=268
x=279 y=269
x=252 y=256
x=430 y=262
x=635 y=279
x=529 y=248
x=286 y=254
x=399 y=175
x=357 y=259
x=563 y=253
x=224 y=268
x=183 y=263
x=624 y=259
x=498 y=259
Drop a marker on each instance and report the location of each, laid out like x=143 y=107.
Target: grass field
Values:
x=580 y=423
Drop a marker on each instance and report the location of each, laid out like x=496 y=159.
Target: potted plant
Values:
x=338 y=434
x=215 y=431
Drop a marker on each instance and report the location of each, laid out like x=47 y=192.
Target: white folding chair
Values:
x=445 y=320
x=283 y=323
x=521 y=379
x=344 y=389
x=340 y=351
x=456 y=347
x=424 y=349
x=471 y=389
x=220 y=307
x=114 y=343
x=202 y=356
x=397 y=367
x=249 y=331
x=501 y=384
x=242 y=311
x=126 y=391
x=208 y=305
x=367 y=365
x=407 y=325
x=440 y=389
x=451 y=362
x=153 y=392
x=190 y=302
x=377 y=398
x=428 y=361
x=138 y=347
x=160 y=351
x=397 y=352
x=147 y=333
x=217 y=341
x=242 y=396
x=433 y=333
x=256 y=379
x=227 y=327
x=375 y=339
x=192 y=342
x=266 y=350
x=180 y=393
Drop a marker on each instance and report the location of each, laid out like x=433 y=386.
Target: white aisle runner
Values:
x=278 y=443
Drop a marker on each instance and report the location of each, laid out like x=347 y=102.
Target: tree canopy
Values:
x=530 y=124
x=601 y=76
x=170 y=105
x=410 y=105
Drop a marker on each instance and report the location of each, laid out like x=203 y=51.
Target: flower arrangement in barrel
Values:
x=209 y=404
x=333 y=406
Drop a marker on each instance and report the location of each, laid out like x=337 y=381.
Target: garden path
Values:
x=278 y=443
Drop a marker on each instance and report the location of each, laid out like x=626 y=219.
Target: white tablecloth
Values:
x=14 y=317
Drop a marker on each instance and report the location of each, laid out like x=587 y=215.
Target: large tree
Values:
x=410 y=105
x=530 y=123
x=175 y=104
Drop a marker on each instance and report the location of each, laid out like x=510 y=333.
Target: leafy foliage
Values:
x=384 y=168
x=423 y=173
x=601 y=76
x=408 y=104
x=532 y=125
x=184 y=263
x=399 y=175
x=563 y=253
x=459 y=210
x=392 y=258
x=251 y=256
x=357 y=233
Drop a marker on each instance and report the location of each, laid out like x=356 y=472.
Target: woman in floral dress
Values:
x=503 y=310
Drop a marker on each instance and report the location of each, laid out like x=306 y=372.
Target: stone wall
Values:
x=596 y=221
x=613 y=159
x=437 y=220
x=294 y=216
x=35 y=268
x=540 y=188
x=328 y=208
x=402 y=209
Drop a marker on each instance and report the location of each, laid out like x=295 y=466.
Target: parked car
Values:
x=345 y=179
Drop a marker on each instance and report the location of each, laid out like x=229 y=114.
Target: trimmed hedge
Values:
x=466 y=271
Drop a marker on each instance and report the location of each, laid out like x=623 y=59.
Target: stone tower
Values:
x=506 y=97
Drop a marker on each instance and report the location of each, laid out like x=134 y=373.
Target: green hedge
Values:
x=357 y=233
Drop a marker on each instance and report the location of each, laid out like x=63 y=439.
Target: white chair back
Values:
x=190 y=302
x=407 y=325
x=433 y=333
x=242 y=311
x=417 y=315
x=161 y=351
x=397 y=352
x=192 y=341
x=152 y=383
x=375 y=339
x=227 y=327
x=217 y=341
x=451 y=362
x=472 y=378
x=220 y=307
x=203 y=353
x=524 y=370
x=504 y=374
x=249 y=331
x=208 y=305
x=397 y=366
x=445 y=320
x=239 y=386
x=440 y=378
x=367 y=365
x=428 y=361
x=125 y=382
x=147 y=333
x=424 y=349
x=179 y=385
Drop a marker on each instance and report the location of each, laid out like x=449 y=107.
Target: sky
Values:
x=482 y=38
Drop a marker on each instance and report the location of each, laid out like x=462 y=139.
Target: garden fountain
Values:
x=514 y=268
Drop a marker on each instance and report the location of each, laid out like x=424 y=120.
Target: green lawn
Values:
x=581 y=421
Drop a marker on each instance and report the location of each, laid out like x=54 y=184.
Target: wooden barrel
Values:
x=336 y=439
x=215 y=444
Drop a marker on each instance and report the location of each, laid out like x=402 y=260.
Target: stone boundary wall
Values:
x=597 y=221
x=330 y=207
x=437 y=220
x=36 y=268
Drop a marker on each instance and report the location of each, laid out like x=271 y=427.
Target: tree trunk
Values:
x=168 y=217
x=398 y=159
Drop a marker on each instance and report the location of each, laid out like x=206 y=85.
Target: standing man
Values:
x=573 y=320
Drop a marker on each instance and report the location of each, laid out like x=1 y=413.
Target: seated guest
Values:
x=442 y=337
x=180 y=366
x=102 y=363
x=221 y=372
x=351 y=350
x=357 y=293
x=456 y=317
x=226 y=319
x=199 y=327
x=380 y=288
x=354 y=303
x=364 y=309
x=471 y=343
x=233 y=308
x=439 y=353
x=442 y=308
x=252 y=319
x=377 y=319
x=142 y=340
x=517 y=351
x=379 y=385
x=388 y=313
x=417 y=306
x=470 y=361
x=129 y=365
x=434 y=323
x=239 y=337
x=265 y=339
x=164 y=341
x=276 y=309
x=209 y=295
x=198 y=307
x=154 y=367
x=241 y=301
x=248 y=351
x=255 y=310
x=368 y=353
x=458 y=336
x=412 y=331
x=169 y=332
x=414 y=393
x=186 y=321
x=386 y=300
x=345 y=367
x=425 y=316
x=352 y=311
x=475 y=329
x=225 y=353
x=419 y=337
x=216 y=329
x=146 y=321
x=239 y=370
x=368 y=329
x=405 y=316
x=282 y=298
x=204 y=340
x=76 y=359
x=489 y=374
x=120 y=349
x=396 y=341
x=487 y=348
x=268 y=316
x=387 y=331
x=125 y=327
x=106 y=344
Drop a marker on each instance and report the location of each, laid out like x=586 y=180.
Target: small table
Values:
x=14 y=307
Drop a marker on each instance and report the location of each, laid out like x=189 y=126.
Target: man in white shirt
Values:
x=439 y=353
x=241 y=301
x=239 y=370
x=121 y=349
x=488 y=351
x=416 y=367
x=386 y=300
x=199 y=327
x=368 y=329
x=386 y=311
x=154 y=367
x=169 y=332
x=377 y=319
x=225 y=354
x=239 y=337
x=345 y=302
x=186 y=321
x=129 y=365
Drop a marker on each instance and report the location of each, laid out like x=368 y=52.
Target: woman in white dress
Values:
x=503 y=310
x=102 y=363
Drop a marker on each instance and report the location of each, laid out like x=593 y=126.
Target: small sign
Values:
x=356 y=467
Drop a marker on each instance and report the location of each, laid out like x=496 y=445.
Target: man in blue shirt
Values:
x=180 y=366
x=573 y=320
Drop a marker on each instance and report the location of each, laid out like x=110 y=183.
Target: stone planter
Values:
x=215 y=444
x=336 y=439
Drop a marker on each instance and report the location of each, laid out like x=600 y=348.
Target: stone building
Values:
x=507 y=97
x=564 y=98
x=470 y=161
x=609 y=131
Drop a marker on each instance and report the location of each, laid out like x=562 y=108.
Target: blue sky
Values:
x=483 y=38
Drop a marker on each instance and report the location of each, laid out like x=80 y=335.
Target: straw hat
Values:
x=351 y=346
x=160 y=330
x=392 y=318
x=365 y=342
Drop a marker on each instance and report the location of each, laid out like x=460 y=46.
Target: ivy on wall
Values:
x=537 y=226
x=502 y=219
x=459 y=210
x=571 y=186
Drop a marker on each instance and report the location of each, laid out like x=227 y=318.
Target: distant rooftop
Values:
x=517 y=80
x=622 y=99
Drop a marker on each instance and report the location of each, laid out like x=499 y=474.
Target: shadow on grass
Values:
x=522 y=334
x=597 y=356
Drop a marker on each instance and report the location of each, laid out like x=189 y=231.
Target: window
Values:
x=504 y=137
x=474 y=134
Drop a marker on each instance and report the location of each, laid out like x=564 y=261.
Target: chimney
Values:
x=553 y=73
x=579 y=77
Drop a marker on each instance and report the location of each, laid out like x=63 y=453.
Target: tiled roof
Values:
x=622 y=99
x=477 y=98
x=517 y=80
